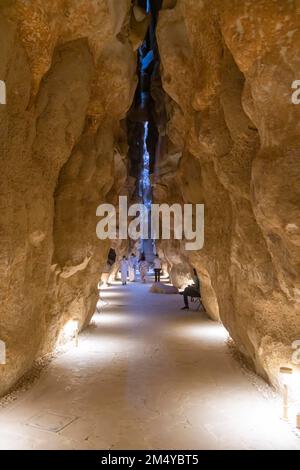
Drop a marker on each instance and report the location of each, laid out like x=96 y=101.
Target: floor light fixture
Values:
x=286 y=376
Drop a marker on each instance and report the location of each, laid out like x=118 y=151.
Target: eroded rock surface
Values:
x=70 y=72
x=228 y=138
x=227 y=70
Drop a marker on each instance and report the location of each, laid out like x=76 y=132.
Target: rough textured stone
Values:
x=70 y=72
x=228 y=138
x=227 y=70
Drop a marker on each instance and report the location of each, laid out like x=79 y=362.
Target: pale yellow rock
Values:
x=227 y=68
x=228 y=138
x=70 y=72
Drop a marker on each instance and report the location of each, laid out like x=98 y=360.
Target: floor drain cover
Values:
x=50 y=421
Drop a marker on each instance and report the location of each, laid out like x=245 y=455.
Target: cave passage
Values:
x=145 y=375
x=142 y=120
x=177 y=103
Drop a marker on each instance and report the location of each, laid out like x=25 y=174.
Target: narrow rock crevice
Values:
x=212 y=80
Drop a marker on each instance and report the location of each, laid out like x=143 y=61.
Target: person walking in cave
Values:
x=191 y=291
x=132 y=267
x=157 y=268
x=124 y=270
x=143 y=267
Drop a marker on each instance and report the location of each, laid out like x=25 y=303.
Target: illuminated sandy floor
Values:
x=146 y=375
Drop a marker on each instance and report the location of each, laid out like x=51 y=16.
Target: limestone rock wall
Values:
x=229 y=138
x=70 y=72
x=227 y=68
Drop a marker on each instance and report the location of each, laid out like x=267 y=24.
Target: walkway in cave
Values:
x=145 y=375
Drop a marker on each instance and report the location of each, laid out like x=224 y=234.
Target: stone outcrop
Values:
x=70 y=73
x=227 y=69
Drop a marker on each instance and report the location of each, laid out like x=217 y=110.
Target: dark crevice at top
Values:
x=144 y=107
